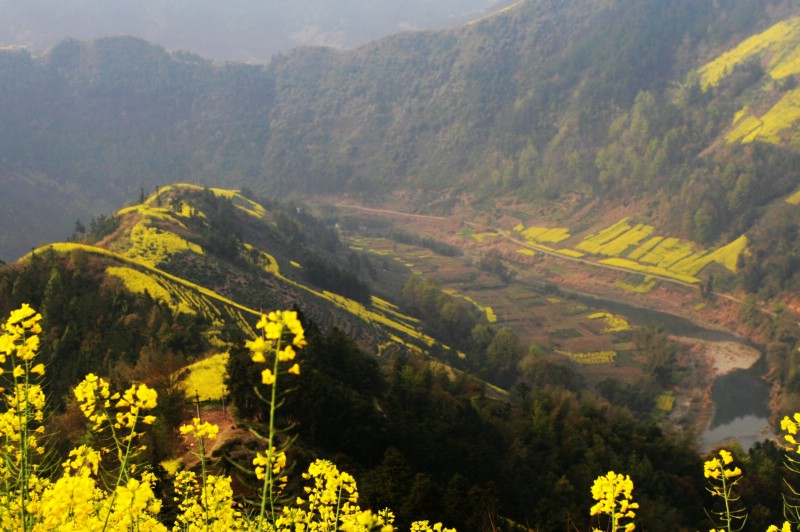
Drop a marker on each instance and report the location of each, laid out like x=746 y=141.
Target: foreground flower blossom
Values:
x=85 y=496
x=613 y=493
x=722 y=481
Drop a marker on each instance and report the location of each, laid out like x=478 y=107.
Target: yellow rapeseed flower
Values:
x=286 y=354
x=715 y=468
x=722 y=482
x=613 y=493
x=257 y=347
x=273 y=325
x=791 y=426
x=16 y=316
x=201 y=429
x=277 y=462
x=712 y=468
x=84 y=460
x=786 y=527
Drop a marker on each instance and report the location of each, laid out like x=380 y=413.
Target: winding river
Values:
x=740 y=396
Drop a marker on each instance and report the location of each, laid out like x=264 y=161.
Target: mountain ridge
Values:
x=147 y=237
x=536 y=102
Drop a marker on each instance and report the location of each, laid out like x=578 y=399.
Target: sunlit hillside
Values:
x=524 y=104
x=157 y=248
x=776 y=107
x=635 y=247
x=777 y=48
x=163 y=294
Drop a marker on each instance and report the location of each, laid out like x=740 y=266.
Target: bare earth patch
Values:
x=723 y=357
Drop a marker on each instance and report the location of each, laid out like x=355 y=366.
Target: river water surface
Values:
x=740 y=397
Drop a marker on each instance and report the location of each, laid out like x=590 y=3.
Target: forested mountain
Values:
x=603 y=103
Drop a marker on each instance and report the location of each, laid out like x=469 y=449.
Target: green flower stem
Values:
x=23 y=417
x=203 y=472
x=123 y=466
x=269 y=481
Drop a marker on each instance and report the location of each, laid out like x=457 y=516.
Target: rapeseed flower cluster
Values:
x=791 y=426
x=273 y=326
x=613 y=493
x=786 y=527
x=20 y=421
x=208 y=505
x=87 y=496
x=715 y=469
x=722 y=481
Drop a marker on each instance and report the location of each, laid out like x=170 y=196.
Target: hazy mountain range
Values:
x=682 y=111
x=239 y=30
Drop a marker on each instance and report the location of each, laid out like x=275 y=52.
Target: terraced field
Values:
x=625 y=257
x=778 y=50
x=635 y=247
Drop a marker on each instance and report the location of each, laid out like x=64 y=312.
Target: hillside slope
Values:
x=223 y=257
x=183 y=274
x=593 y=104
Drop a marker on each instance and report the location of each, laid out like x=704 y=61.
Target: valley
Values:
x=488 y=265
x=539 y=265
x=459 y=332
x=552 y=301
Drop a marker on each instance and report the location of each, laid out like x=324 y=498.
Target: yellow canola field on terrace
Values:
x=205 y=379
x=592 y=358
x=638 y=288
x=778 y=50
x=615 y=240
x=491 y=317
x=249 y=206
x=770 y=126
x=569 y=253
x=633 y=248
x=182 y=293
x=552 y=235
x=780 y=43
x=613 y=323
x=794 y=199
x=381 y=312
x=152 y=246
x=139 y=283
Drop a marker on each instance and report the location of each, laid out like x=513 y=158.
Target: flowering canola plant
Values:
x=613 y=493
x=106 y=490
x=722 y=480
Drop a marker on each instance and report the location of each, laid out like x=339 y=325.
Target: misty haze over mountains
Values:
x=237 y=30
